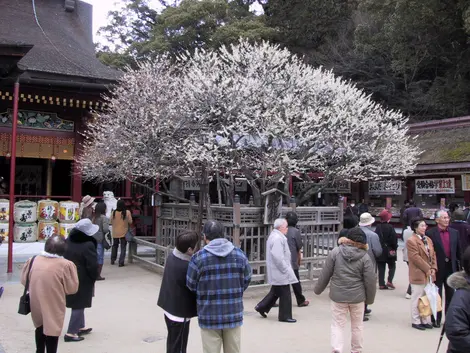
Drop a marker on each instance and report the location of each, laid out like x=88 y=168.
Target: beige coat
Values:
x=419 y=261
x=120 y=226
x=50 y=280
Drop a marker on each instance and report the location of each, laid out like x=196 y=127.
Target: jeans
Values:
x=45 y=343
x=100 y=253
x=122 y=256
x=229 y=338
x=77 y=321
x=177 y=339
x=391 y=271
x=339 y=318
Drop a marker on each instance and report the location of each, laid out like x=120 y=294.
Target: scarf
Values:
x=51 y=256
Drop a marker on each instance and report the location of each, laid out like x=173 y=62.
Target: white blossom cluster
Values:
x=243 y=107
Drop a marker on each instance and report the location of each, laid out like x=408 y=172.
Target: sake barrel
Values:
x=4 y=210
x=48 y=210
x=25 y=232
x=47 y=229
x=65 y=228
x=25 y=212
x=69 y=211
x=4 y=231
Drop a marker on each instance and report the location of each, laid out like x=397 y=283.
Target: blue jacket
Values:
x=219 y=274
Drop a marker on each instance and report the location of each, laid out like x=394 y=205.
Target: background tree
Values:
x=138 y=32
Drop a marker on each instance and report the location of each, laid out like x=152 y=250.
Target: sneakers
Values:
x=408 y=296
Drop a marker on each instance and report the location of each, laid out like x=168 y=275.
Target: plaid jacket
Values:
x=219 y=282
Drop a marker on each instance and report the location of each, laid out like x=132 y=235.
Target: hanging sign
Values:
x=435 y=186
x=465 y=182
x=339 y=187
x=241 y=184
x=191 y=184
x=385 y=187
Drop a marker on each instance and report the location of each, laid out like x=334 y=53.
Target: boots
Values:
x=100 y=268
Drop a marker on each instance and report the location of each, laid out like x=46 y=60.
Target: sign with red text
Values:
x=435 y=186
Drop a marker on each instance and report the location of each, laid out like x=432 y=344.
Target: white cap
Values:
x=85 y=226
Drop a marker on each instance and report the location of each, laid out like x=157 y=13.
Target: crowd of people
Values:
x=64 y=274
x=209 y=282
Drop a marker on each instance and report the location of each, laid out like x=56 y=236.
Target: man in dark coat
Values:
x=175 y=298
x=446 y=245
x=460 y=225
x=458 y=315
x=411 y=213
x=81 y=250
x=389 y=242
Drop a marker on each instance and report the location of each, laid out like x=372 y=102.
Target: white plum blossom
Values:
x=244 y=107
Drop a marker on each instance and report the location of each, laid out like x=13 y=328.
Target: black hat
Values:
x=357 y=234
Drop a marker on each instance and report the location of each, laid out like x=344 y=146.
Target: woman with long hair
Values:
x=121 y=221
x=100 y=219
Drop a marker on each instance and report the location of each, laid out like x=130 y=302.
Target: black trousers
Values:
x=297 y=287
x=285 y=301
x=177 y=338
x=392 y=265
x=114 y=250
x=45 y=343
x=449 y=291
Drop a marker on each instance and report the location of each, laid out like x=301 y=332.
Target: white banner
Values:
x=466 y=182
x=385 y=187
x=340 y=187
x=435 y=186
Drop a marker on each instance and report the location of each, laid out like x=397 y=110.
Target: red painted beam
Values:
x=12 y=176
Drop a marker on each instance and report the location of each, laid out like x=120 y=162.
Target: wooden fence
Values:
x=244 y=226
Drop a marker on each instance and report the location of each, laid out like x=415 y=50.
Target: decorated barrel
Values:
x=47 y=229
x=4 y=231
x=4 y=210
x=65 y=228
x=25 y=232
x=25 y=212
x=48 y=210
x=69 y=211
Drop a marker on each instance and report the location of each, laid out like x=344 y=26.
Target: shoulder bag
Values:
x=25 y=305
x=105 y=242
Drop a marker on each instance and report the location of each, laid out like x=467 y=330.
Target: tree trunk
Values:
x=202 y=197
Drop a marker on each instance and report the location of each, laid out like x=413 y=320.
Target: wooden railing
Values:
x=244 y=226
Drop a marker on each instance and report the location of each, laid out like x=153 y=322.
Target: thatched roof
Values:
x=445 y=145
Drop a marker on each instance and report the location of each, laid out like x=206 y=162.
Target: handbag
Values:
x=129 y=236
x=25 y=305
x=105 y=243
x=424 y=306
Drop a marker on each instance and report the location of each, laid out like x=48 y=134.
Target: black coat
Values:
x=175 y=297
x=81 y=250
x=458 y=314
x=388 y=240
x=464 y=234
x=435 y=236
